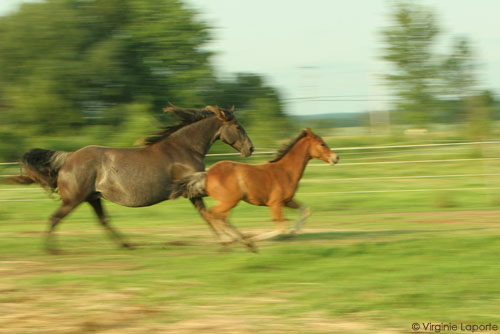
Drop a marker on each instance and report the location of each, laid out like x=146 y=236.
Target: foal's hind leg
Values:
x=54 y=220
x=200 y=206
x=304 y=214
x=99 y=210
x=219 y=213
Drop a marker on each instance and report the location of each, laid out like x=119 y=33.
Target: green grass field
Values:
x=407 y=243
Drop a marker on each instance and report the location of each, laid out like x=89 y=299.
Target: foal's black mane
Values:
x=287 y=147
x=185 y=117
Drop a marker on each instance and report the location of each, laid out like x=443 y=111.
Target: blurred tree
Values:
x=458 y=73
x=266 y=124
x=94 y=69
x=240 y=90
x=258 y=107
x=430 y=87
x=409 y=42
x=479 y=112
x=69 y=62
x=460 y=69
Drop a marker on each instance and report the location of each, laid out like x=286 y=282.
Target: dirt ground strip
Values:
x=114 y=313
x=67 y=311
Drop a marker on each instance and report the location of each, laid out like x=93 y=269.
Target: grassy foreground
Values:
x=365 y=263
x=345 y=273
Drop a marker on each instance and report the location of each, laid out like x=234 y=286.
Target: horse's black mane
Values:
x=185 y=117
x=287 y=147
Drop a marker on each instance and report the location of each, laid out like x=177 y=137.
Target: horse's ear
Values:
x=228 y=114
x=170 y=108
x=221 y=114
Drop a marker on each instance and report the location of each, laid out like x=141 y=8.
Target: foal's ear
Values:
x=308 y=132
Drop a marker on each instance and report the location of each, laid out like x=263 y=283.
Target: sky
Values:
x=330 y=49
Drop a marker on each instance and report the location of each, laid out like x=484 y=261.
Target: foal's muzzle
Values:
x=333 y=159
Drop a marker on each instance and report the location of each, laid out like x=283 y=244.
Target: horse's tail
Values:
x=41 y=166
x=190 y=186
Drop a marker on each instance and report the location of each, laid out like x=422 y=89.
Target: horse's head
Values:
x=231 y=132
x=319 y=150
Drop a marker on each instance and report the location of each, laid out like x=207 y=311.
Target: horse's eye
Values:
x=238 y=127
x=324 y=145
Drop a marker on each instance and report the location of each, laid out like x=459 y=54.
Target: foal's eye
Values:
x=238 y=127
x=324 y=145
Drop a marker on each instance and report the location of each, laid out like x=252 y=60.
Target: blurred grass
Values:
x=366 y=262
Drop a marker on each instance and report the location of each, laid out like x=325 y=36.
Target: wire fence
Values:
x=485 y=174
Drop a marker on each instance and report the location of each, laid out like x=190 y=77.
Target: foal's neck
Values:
x=294 y=162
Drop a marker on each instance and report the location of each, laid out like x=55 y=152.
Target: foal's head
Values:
x=231 y=132
x=318 y=149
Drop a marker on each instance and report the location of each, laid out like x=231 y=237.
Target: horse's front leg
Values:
x=96 y=204
x=304 y=214
x=55 y=219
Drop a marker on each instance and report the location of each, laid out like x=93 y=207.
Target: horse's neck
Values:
x=294 y=162
x=197 y=137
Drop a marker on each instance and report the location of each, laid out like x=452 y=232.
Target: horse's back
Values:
x=83 y=160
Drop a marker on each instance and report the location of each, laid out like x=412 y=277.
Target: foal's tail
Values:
x=41 y=167
x=190 y=186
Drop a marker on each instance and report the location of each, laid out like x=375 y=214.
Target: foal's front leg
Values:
x=304 y=214
x=277 y=214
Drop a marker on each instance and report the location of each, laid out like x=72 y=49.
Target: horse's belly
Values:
x=132 y=200
x=129 y=193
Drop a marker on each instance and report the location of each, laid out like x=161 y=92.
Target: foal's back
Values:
x=235 y=181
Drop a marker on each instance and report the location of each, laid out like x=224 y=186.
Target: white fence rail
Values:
x=354 y=179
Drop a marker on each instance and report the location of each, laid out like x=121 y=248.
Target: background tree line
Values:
x=432 y=87
x=77 y=72
x=100 y=71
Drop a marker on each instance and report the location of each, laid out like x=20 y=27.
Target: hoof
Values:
x=127 y=246
x=226 y=243
x=54 y=251
x=251 y=247
x=225 y=248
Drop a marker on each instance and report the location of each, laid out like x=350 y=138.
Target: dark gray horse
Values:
x=135 y=177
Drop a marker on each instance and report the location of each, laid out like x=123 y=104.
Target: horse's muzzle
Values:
x=247 y=152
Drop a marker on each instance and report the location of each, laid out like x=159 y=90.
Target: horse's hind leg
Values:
x=99 y=210
x=304 y=214
x=54 y=220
